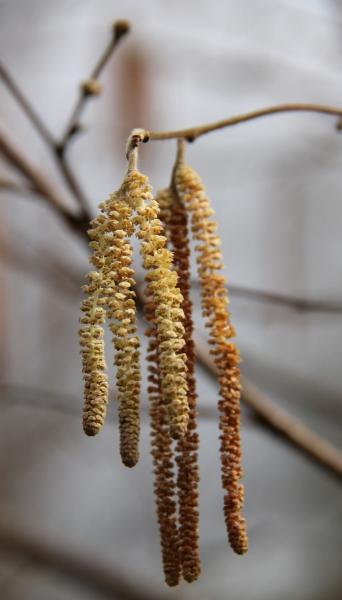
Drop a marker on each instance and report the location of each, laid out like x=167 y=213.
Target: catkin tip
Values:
x=91 y=429
x=130 y=461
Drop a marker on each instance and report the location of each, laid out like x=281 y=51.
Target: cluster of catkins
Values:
x=163 y=225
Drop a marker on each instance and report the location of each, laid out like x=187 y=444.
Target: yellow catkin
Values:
x=214 y=305
x=162 y=455
x=91 y=338
x=121 y=312
x=157 y=260
x=174 y=216
x=110 y=295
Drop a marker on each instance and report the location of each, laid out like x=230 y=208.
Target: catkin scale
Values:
x=214 y=307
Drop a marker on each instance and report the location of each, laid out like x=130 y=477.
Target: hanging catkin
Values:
x=162 y=455
x=110 y=294
x=162 y=281
x=91 y=337
x=121 y=313
x=174 y=217
x=214 y=305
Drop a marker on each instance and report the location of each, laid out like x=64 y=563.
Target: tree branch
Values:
x=192 y=133
x=28 y=109
x=89 y=88
x=293 y=302
x=39 y=182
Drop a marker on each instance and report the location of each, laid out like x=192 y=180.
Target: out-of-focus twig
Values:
x=58 y=147
x=296 y=303
x=46 y=136
x=89 y=88
x=26 y=106
x=291 y=428
x=38 y=181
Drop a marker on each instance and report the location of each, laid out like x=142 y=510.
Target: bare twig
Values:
x=39 y=182
x=292 y=429
x=120 y=28
x=28 y=109
x=294 y=302
x=192 y=133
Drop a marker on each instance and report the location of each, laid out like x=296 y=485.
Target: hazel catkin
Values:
x=162 y=455
x=91 y=337
x=162 y=281
x=174 y=217
x=214 y=307
x=121 y=312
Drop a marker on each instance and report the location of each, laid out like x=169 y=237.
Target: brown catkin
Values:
x=174 y=216
x=91 y=337
x=162 y=455
x=121 y=312
x=214 y=306
x=167 y=298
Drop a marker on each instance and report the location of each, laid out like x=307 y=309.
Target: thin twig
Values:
x=294 y=302
x=192 y=133
x=291 y=428
x=120 y=28
x=48 y=138
x=38 y=181
x=27 y=107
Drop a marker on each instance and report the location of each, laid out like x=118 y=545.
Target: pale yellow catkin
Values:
x=121 y=313
x=91 y=336
x=162 y=281
x=110 y=295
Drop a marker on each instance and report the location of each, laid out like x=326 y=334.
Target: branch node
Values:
x=137 y=137
x=121 y=28
x=91 y=87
